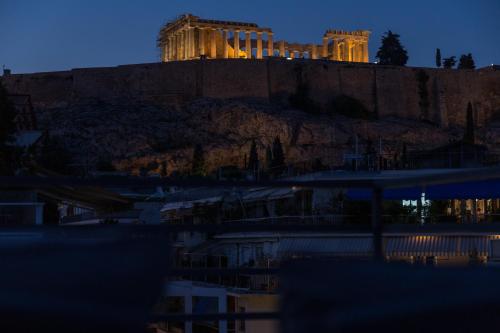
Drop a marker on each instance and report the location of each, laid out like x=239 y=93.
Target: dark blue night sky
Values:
x=62 y=34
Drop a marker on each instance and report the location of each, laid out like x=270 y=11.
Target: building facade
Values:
x=190 y=37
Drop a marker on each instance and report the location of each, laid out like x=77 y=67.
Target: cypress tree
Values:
x=392 y=52
x=278 y=160
x=198 y=166
x=438 y=58
x=253 y=161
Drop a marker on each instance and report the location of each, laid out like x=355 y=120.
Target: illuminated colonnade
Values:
x=190 y=37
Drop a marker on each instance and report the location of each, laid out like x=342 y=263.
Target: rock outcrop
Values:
x=136 y=136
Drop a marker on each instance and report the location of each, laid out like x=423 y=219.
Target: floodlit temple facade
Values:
x=190 y=37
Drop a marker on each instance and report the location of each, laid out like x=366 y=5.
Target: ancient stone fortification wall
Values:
x=386 y=90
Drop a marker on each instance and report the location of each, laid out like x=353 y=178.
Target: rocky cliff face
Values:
x=142 y=115
x=136 y=136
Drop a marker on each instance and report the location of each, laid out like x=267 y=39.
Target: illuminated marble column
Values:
x=183 y=44
x=248 y=44
x=187 y=43
x=259 y=45
x=167 y=51
x=164 y=52
x=314 y=52
x=171 y=40
x=236 y=44
x=192 y=50
x=213 y=44
x=335 y=51
x=324 y=50
x=202 y=44
x=359 y=51
x=349 y=50
x=345 y=51
x=170 y=48
x=270 y=44
x=365 y=52
x=177 y=46
x=196 y=41
x=225 y=49
x=282 y=49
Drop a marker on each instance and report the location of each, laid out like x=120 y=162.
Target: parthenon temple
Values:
x=190 y=37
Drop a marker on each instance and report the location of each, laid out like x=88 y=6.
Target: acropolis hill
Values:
x=138 y=114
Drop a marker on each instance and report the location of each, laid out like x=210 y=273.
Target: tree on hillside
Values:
x=450 y=62
x=253 y=160
x=466 y=62
x=438 y=58
x=278 y=160
x=198 y=166
x=391 y=51
x=8 y=158
x=469 y=126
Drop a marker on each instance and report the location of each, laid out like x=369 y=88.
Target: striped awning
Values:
x=431 y=245
x=394 y=246
x=471 y=245
x=421 y=246
x=342 y=246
